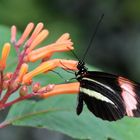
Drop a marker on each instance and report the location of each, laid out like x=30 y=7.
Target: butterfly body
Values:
x=107 y=96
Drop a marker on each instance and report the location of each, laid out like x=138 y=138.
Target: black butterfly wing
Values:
x=105 y=96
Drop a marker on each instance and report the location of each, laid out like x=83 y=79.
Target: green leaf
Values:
x=58 y=113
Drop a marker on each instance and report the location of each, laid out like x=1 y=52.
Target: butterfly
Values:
x=107 y=96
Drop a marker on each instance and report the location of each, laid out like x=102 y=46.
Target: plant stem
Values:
x=20 y=62
x=3 y=103
x=9 y=92
x=1 y=81
x=6 y=96
x=18 y=99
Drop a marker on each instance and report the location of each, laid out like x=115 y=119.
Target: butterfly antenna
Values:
x=93 y=36
x=75 y=55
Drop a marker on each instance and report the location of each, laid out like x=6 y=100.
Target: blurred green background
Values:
x=116 y=48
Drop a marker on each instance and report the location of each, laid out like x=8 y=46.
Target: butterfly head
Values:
x=82 y=69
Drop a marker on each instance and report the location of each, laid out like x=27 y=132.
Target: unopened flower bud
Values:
x=23 y=91
x=4 y=56
x=5 y=84
x=8 y=76
x=14 y=85
x=36 y=87
x=13 y=34
x=47 y=88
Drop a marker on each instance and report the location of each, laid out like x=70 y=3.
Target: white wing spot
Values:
x=97 y=82
x=96 y=95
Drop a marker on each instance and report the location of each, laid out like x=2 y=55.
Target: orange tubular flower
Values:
x=65 y=36
x=5 y=53
x=62 y=89
x=21 y=80
x=47 y=51
x=40 y=37
x=26 y=33
x=61 y=45
x=36 y=31
x=22 y=72
x=48 y=66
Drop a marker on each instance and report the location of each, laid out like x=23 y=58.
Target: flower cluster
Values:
x=27 y=52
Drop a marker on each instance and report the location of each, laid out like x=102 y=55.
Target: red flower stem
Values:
x=21 y=56
x=3 y=103
x=16 y=48
x=8 y=93
x=22 y=98
x=1 y=81
x=18 y=99
x=6 y=96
